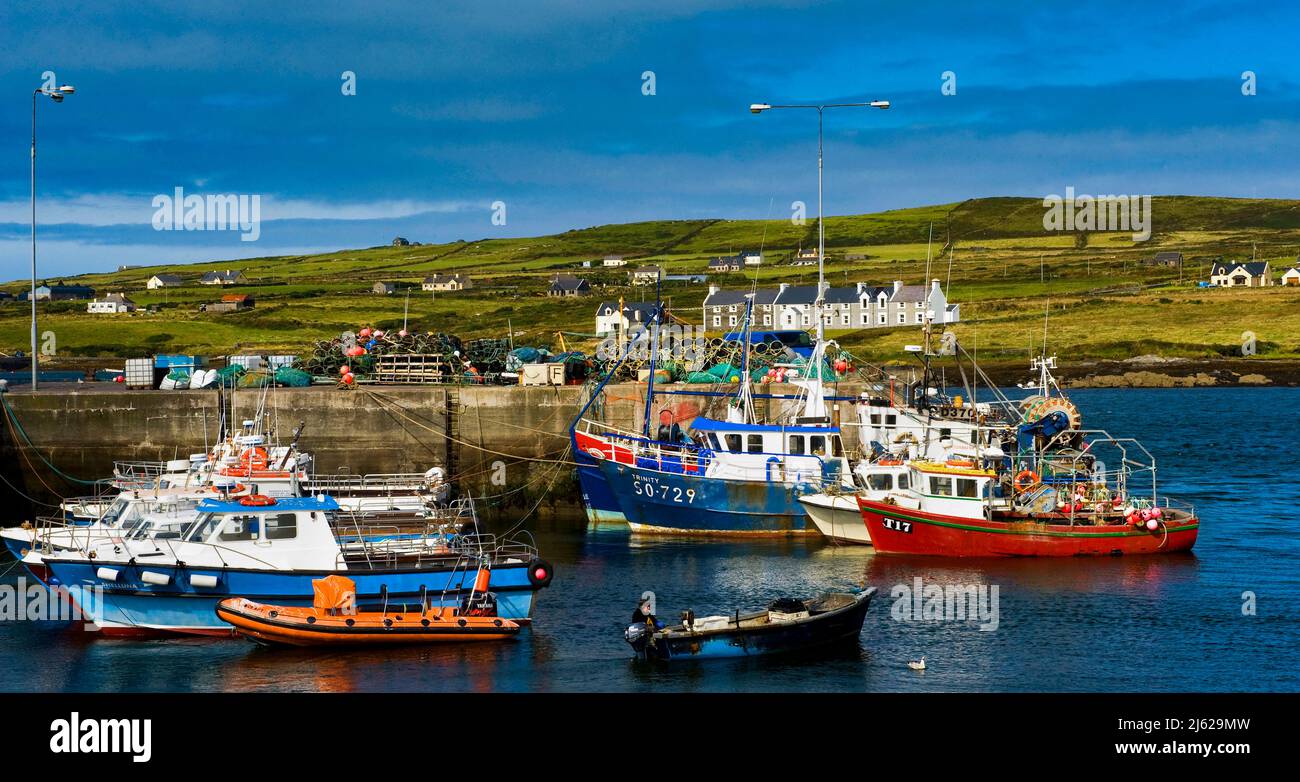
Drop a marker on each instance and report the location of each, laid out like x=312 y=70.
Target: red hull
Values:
x=898 y=530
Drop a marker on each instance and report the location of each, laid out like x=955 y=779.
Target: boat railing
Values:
x=492 y=547
x=390 y=483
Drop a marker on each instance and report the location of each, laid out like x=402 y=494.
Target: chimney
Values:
x=934 y=286
x=784 y=285
x=898 y=285
x=712 y=289
x=862 y=288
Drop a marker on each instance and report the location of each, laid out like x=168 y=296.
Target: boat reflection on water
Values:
x=1115 y=576
x=475 y=668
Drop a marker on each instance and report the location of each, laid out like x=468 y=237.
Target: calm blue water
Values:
x=1137 y=624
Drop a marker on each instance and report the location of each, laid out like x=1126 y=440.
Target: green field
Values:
x=993 y=254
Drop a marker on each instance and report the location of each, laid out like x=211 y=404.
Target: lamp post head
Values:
x=57 y=97
x=879 y=104
x=67 y=89
x=758 y=108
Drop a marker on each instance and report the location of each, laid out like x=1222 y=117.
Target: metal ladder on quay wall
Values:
x=452 y=438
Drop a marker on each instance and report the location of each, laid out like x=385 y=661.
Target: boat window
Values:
x=941 y=485
x=202 y=527
x=967 y=487
x=880 y=481
x=945 y=434
x=875 y=419
x=239 y=528
x=817 y=445
x=902 y=480
x=713 y=441
x=733 y=443
x=282 y=526
x=837 y=445
x=891 y=420
x=756 y=443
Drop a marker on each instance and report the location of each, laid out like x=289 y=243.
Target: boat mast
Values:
x=654 y=352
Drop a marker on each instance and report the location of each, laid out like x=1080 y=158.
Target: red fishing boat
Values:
x=959 y=509
x=895 y=529
x=1043 y=487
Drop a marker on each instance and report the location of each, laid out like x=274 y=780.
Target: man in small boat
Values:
x=643 y=614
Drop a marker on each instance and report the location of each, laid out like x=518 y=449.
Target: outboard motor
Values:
x=638 y=637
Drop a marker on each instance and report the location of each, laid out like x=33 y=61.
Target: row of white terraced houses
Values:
x=859 y=306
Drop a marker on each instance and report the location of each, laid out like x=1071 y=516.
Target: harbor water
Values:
x=1223 y=618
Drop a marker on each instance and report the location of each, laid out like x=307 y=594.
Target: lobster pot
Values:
x=276 y=362
x=249 y=363
x=140 y=373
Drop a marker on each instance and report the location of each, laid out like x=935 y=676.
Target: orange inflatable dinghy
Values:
x=332 y=620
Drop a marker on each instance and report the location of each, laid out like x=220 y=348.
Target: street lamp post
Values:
x=759 y=108
x=55 y=94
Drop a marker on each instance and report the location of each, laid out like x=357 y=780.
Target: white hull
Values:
x=837 y=517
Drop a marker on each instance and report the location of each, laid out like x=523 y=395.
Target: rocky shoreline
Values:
x=1160 y=372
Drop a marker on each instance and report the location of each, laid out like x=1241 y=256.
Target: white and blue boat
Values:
x=270 y=550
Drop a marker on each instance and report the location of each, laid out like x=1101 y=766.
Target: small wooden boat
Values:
x=332 y=620
x=788 y=625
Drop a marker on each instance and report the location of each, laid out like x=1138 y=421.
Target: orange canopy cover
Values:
x=334 y=592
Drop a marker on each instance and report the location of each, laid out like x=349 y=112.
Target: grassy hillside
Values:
x=1002 y=267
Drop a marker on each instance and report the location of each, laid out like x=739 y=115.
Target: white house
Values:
x=1291 y=277
x=646 y=275
x=609 y=320
x=164 y=281
x=752 y=259
x=447 y=282
x=110 y=304
x=614 y=260
x=1233 y=274
x=226 y=277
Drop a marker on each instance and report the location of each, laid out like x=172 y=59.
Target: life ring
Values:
x=540 y=573
x=236 y=489
x=254 y=457
x=596 y=453
x=257 y=500
x=961 y=463
x=1025 y=480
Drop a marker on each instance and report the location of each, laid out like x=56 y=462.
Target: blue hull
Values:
x=600 y=501
x=685 y=503
x=129 y=605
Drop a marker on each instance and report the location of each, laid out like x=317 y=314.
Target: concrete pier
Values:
x=500 y=442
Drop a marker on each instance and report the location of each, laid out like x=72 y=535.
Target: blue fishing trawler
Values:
x=730 y=476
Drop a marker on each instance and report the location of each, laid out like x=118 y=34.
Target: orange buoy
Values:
x=257 y=500
x=1025 y=480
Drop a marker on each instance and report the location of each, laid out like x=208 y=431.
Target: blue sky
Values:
x=540 y=105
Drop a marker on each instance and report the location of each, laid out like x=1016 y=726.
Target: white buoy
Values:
x=917 y=665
